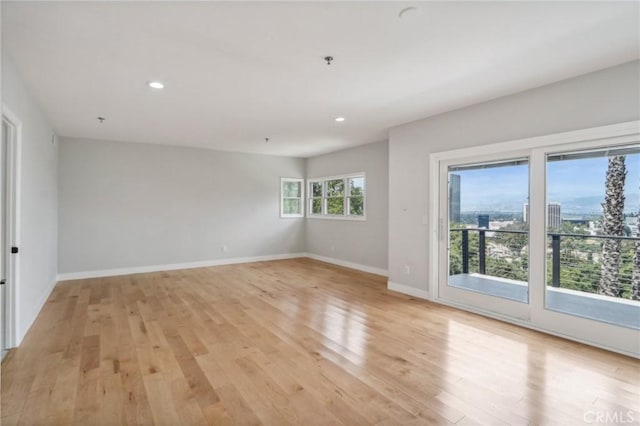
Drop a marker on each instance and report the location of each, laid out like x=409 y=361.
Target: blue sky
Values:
x=577 y=184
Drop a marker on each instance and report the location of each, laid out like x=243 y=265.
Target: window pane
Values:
x=335 y=206
x=356 y=186
x=316 y=206
x=592 y=234
x=316 y=189
x=335 y=188
x=291 y=206
x=291 y=189
x=356 y=206
x=488 y=233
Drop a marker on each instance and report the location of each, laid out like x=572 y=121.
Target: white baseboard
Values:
x=218 y=262
x=347 y=264
x=408 y=290
x=173 y=266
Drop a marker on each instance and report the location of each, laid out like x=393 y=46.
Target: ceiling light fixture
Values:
x=339 y=119
x=155 y=84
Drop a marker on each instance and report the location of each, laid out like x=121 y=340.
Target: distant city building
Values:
x=595 y=227
x=483 y=221
x=632 y=223
x=554 y=218
x=499 y=224
x=454 y=198
x=554 y=215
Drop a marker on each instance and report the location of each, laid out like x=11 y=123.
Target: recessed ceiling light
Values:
x=409 y=13
x=339 y=119
x=155 y=84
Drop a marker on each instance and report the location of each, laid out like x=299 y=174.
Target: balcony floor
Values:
x=620 y=312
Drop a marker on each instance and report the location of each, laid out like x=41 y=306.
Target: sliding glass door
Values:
x=546 y=236
x=593 y=248
x=487 y=237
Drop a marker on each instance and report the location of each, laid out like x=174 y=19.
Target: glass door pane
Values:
x=488 y=233
x=593 y=242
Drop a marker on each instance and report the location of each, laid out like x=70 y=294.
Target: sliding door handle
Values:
x=14 y=250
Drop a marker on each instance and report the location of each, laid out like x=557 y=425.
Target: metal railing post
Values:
x=465 y=251
x=481 y=252
x=555 y=260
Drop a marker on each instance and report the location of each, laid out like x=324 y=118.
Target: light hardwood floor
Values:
x=294 y=342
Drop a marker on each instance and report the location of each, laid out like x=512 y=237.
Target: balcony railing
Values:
x=578 y=255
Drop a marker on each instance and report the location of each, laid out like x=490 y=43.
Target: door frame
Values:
x=14 y=168
x=564 y=325
x=501 y=306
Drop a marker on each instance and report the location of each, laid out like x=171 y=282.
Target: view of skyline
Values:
x=578 y=185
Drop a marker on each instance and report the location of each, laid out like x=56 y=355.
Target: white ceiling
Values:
x=237 y=72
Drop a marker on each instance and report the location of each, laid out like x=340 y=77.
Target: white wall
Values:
x=125 y=206
x=38 y=209
x=359 y=242
x=128 y=205
x=600 y=98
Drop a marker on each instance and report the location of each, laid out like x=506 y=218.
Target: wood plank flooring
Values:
x=295 y=342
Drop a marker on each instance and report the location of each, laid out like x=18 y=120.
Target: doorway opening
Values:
x=9 y=201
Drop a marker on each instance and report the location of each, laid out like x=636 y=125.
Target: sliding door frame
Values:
x=592 y=332
x=501 y=306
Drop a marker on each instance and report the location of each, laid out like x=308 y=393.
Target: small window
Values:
x=337 y=197
x=315 y=207
x=291 y=197
x=355 y=199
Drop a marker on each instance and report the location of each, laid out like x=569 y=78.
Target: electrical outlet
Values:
x=225 y=249
x=407 y=269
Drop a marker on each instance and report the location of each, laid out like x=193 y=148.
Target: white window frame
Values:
x=593 y=332
x=301 y=198
x=311 y=198
x=346 y=216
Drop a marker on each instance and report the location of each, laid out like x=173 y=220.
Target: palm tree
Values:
x=612 y=224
